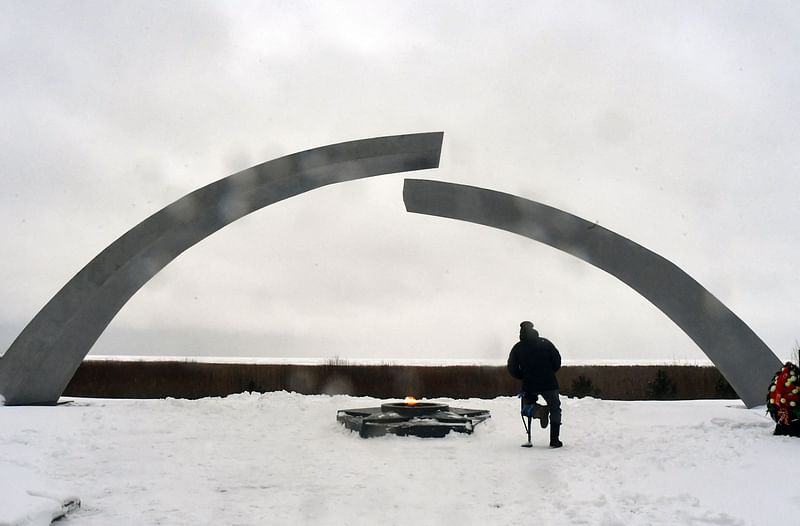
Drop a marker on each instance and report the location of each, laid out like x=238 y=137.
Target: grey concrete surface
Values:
x=739 y=354
x=41 y=361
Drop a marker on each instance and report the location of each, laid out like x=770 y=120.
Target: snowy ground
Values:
x=281 y=458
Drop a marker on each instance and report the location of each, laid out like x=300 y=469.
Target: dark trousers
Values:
x=553 y=403
x=792 y=430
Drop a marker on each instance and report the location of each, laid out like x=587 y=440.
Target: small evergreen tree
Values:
x=723 y=389
x=583 y=386
x=662 y=387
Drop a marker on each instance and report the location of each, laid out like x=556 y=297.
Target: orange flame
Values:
x=410 y=400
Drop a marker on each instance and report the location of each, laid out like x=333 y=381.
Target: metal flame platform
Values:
x=422 y=419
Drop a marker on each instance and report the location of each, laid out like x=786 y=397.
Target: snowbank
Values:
x=430 y=362
x=26 y=500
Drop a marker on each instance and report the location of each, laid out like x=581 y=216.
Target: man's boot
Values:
x=542 y=413
x=554 y=429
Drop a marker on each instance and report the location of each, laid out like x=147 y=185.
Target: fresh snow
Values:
x=429 y=362
x=281 y=458
x=26 y=499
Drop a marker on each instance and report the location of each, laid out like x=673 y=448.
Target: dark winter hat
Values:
x=526 y=325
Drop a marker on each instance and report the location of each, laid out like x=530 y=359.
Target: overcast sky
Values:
x=674 y=124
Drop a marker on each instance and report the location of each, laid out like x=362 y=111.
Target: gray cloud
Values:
x=672 y=124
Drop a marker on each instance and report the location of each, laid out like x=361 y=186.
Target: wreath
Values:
x=783 y=399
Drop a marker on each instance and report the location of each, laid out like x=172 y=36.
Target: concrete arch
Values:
x=739 y=354
x=44 y=357
x=41 y=361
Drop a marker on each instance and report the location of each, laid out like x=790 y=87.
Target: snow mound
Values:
x=28 y=501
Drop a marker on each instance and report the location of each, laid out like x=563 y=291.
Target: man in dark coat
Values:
x=535 y=360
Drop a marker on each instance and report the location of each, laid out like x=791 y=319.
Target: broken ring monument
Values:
x=40 y=362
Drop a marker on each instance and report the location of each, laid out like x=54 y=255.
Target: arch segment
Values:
x=739 y=354
x=41 y=361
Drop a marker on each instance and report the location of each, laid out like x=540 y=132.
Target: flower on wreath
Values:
x=783 y=399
